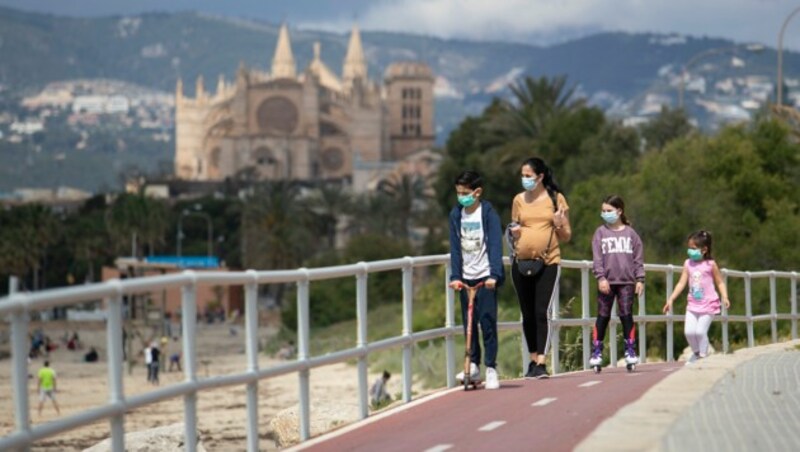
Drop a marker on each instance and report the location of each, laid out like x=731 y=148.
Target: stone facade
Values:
x=315 y=125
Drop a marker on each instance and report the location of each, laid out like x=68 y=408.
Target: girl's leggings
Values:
x=624 y=294
x=696 y=330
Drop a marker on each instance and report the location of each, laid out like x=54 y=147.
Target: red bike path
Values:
x=551 y=414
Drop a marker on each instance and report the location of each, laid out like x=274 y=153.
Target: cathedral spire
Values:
x=355 y=65
x=283 y=62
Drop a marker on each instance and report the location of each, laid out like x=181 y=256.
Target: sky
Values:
x=531 y=21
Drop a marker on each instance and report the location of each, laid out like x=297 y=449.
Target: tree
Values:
x=667 y=126
x=279 y=230
x=26 y=234
x=537 y=102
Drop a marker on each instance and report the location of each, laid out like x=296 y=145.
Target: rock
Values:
x=286 y=428
x=167 y=438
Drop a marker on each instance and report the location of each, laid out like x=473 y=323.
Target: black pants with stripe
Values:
x=535 y=295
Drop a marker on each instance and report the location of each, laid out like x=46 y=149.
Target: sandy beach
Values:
x=221 y=412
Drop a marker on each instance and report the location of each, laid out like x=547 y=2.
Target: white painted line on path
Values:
x=491 y=426
x=544 y=401
x=439 y=448
x=589 y=384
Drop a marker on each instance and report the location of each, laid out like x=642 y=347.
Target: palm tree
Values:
x=278 y=229
x=138 y=218
x=537 y=102
x=408 y=194
x=332 y=203
x=26 y=234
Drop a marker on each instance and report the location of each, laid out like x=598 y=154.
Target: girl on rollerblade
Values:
x=700 y=272
x=618 y=265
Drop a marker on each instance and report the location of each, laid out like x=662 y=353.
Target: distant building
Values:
x=26 y=127
x=100 y=104
x=313 y=125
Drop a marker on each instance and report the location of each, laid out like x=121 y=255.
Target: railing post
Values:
x=555 y=331
x=449 y=322
x=116 y=390
x=361 y=341
x=585 y=313
x=670 y=323
x=725 y=341
x=748 y=306
x=189 y=319
x=251 y=334
x=303 y=354
x=19 y=353
x=408 y=296
x=793 y=300
x=642 y=327
x=773 y=307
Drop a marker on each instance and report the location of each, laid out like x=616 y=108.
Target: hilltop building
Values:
x=285 y=125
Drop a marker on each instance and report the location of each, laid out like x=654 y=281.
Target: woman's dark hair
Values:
x=539 y=167
x=469 y=178
x=617 y=203
x=702 y=239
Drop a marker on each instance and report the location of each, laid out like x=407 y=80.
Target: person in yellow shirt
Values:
x=47 y=387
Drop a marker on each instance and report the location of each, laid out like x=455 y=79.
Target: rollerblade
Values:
x=597 y=356
x=631 y=360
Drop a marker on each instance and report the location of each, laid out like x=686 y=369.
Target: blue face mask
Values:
x=610 y=217
x=528 y=183
x=466 y=200
x=694 y=254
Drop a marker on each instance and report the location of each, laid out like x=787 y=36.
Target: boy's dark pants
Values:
x=485 y=314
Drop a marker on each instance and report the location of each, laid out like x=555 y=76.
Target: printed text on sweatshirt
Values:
x=618 y=256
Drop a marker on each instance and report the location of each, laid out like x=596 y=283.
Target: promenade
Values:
x=748 y=401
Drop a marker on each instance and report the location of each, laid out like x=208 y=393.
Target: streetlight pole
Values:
x=716 y=51
x=779 y=100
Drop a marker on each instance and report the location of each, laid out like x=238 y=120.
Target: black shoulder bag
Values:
x=532 y=267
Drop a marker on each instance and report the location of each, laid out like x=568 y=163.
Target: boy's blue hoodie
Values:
x=492 y=236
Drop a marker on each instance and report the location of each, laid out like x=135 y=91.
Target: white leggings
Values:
x=696 y=330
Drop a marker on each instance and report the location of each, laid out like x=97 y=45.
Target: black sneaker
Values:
x=531 y=370
x=540 y=371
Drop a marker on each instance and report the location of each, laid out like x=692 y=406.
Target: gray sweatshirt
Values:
x=618 y=255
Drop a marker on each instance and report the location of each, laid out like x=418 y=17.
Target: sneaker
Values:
x=474 y=373
x=531 y=373
x=540 y=371
x=491 y=378
x=692 y=359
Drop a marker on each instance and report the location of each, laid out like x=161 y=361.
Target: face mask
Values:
x=610 y=217
x=694 y=254
x=466 y=200
x=528 y=183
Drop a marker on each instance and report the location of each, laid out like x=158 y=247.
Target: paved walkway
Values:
x=748 y=401
x=548 y=415
x=729 y=396
x=755 y=407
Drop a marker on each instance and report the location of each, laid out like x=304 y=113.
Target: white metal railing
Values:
x=17 y=306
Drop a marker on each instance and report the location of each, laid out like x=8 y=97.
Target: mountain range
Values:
x=155 y=49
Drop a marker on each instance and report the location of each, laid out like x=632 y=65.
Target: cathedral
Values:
x=285 y=125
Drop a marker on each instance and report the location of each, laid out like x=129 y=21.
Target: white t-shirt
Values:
x=473 y=247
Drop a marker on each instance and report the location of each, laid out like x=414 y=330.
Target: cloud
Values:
x=525 y=20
